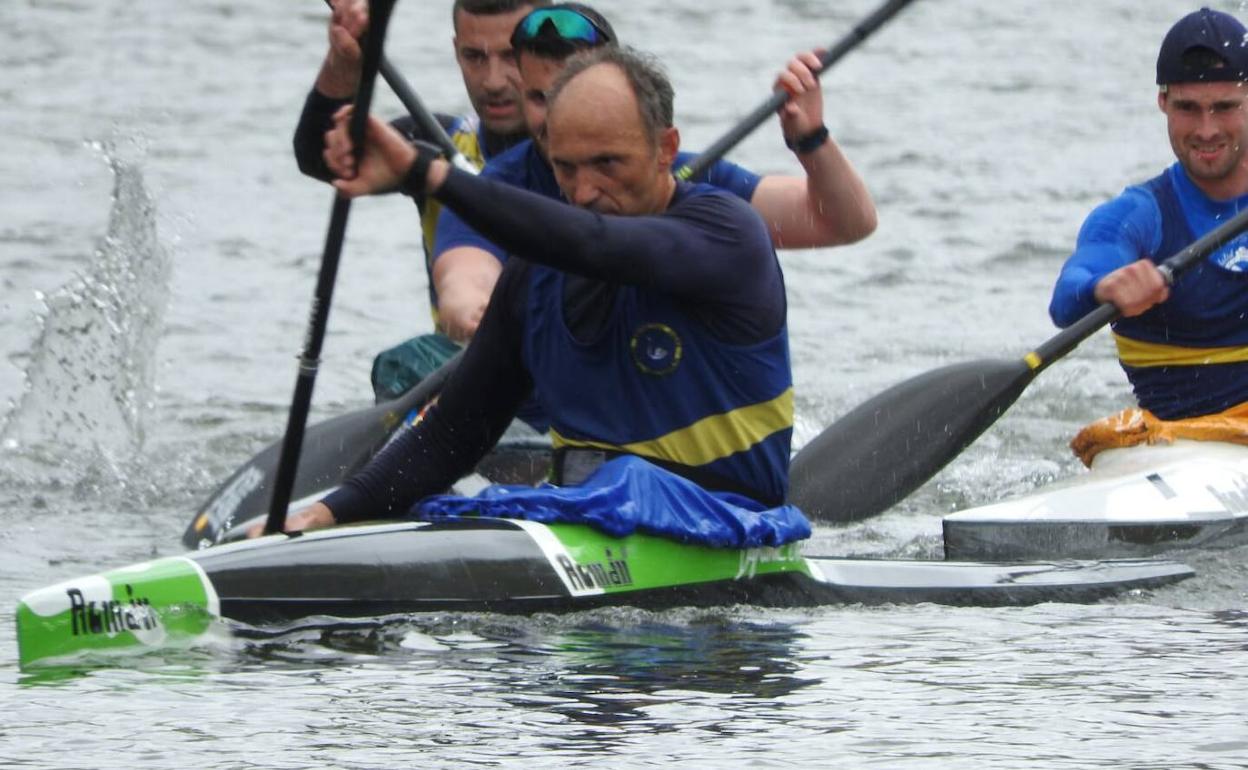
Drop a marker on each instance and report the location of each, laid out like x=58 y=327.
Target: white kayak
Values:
x=1133 y=501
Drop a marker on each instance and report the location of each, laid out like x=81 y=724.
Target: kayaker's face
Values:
x=1208 y=126
x=488 y=63
x=603 y=158
x=537 y=75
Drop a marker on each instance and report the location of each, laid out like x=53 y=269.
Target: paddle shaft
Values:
x=425 y=120
x=309 y=359
x=768 y=108
x=1066 y=341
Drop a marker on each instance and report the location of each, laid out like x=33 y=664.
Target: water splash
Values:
x=91 y=376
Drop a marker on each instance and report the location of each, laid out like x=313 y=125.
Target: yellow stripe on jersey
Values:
x=1145 y=354
x=709 y=439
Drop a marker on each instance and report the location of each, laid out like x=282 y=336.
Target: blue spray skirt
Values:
x=628 y=495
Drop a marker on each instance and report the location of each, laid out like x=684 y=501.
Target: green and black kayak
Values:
x=274 y=584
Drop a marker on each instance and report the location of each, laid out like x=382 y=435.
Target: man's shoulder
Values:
x=711 y=206
x=1135 y=201
x=513 y=163
x=706 y=195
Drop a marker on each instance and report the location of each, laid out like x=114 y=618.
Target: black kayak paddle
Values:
x=762 y=112
x=309 y=360
x=887 y=447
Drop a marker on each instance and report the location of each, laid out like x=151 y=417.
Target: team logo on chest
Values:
x=656 y=349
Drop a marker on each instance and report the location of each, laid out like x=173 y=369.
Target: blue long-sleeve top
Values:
x=1187 y=356
x=708 y=248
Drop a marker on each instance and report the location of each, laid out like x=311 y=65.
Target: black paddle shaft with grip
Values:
x=428 y=124
x=309 y=360
x=768 y=108
x=890 y=445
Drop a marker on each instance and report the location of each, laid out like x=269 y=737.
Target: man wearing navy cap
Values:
x=1184 y=348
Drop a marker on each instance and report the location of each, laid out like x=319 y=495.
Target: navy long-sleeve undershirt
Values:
x=708 y=248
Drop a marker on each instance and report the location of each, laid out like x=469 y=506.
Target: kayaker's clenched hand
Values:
x=340 y=74
x=1133 y=288
x=803 y=113
x=386 y=160
x=315 y=516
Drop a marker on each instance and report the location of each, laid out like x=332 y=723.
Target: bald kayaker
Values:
x=829 y=206
x=649 y=318
x=1184 y=348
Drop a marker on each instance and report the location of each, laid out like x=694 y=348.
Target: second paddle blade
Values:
x=889 y=446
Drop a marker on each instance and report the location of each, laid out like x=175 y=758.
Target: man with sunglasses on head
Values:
x=1184 y=347
x=830 y=206
x=648 y=319
x=486 y=61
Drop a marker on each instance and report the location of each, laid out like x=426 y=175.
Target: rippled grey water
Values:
x=157 y=255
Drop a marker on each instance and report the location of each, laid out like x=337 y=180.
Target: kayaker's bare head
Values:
x=488 y=63
x=1201 y=72
x=543 y=42
x=610 y=135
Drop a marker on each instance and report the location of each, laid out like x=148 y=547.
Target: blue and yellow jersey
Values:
x=1187 y=356
x=656 y=384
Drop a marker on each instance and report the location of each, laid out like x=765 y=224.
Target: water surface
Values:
x=157 y=258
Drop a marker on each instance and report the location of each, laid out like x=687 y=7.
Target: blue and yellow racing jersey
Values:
x=1187 y=356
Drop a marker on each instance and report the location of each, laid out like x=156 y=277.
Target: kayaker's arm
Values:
x=707 y=248
x=1115 y=235
x=318 y=117
x=465 y=268
x=662 y=251
x=462 y=281
x=477 y=404
x=831 y=205
x=335 y=86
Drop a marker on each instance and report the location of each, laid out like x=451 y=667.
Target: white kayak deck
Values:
x=1133 y=500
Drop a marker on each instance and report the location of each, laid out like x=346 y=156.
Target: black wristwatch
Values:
x=808 y=143
x=413 y=183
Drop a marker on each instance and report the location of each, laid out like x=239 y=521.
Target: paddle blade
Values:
x=890 y=445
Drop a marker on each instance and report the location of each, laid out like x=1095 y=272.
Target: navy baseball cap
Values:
x=1204 y=46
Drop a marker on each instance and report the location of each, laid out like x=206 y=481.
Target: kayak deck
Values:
x=502 y=565
x=1133 y=502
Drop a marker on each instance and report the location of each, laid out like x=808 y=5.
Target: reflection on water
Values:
x=923 y=686
x=599 y=667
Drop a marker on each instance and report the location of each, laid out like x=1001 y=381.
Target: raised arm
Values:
x=335 y=86
x=712 y=248
x=831 y=205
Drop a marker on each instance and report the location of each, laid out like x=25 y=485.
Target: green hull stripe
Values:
x=144 y=605
x=609 y=564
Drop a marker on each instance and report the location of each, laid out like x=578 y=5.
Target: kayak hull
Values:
x=272 y=584
x=1133 y=502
